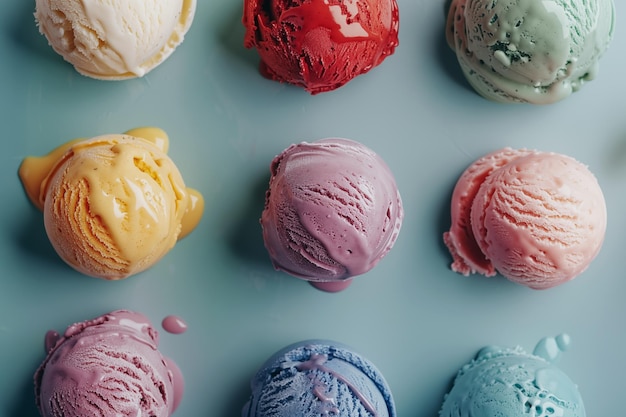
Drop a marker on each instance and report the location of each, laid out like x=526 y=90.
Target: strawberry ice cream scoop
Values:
x=320 y=44
x=537 y=218
x=332 y=210
x=108 y=366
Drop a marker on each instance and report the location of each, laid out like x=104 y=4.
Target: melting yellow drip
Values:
x=34 y=171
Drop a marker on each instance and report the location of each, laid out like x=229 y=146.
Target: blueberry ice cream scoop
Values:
x=319 y=378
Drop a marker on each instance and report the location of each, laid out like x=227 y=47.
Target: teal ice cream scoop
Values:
x=509 y=382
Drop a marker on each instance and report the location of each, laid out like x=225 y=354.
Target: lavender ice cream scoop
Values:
x=332 y=210
x=319 y=378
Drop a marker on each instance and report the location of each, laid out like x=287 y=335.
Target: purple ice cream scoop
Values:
x=316 y=378
x=108 y=366
x=332 y=210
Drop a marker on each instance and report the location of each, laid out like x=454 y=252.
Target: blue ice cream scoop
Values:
x=316 y=378
x=509 y=382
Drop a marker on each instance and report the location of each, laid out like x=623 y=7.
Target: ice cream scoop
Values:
x=319 y=378
x=537 y=218
x=114 y=39
x=317 y=44
x=332 y=211
x=511 y=382
x=108 y=366
x=113 y=205
x=534 y=51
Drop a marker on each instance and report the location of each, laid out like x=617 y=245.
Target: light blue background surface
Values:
x=412 y=316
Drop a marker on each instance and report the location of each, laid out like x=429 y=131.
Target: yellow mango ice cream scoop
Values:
x=113 y=205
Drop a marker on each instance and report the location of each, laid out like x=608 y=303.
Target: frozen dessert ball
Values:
x=108 y=366
x=113 y=205
x=534 y=51
x=332 y=211
x=513 y=383
x=319 y=378
x=537 y=218
x=114 y=39
x=320 y=45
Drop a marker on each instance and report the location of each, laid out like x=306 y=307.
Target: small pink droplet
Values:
x=174 y=324
x=332 y=286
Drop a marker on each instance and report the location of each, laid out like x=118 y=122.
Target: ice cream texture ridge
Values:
x=511 y=382
x=537 y=218
x=533 y=51
x=332 y=211
x=114 y=39
x=113 y=205
x=319 y=378
x=320 y=45
x=108 y=366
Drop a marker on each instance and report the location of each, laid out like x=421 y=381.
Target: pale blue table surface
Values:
x=412 y=316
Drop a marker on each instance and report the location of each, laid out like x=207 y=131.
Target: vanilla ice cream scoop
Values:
x=114 y=39
x=535 y=51
x=113 y=205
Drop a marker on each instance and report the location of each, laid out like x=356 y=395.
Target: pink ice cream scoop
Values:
x=537 y=218
x=332 y=211
x=108 y=366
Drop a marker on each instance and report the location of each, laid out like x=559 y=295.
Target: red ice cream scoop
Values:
x=320 y=45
